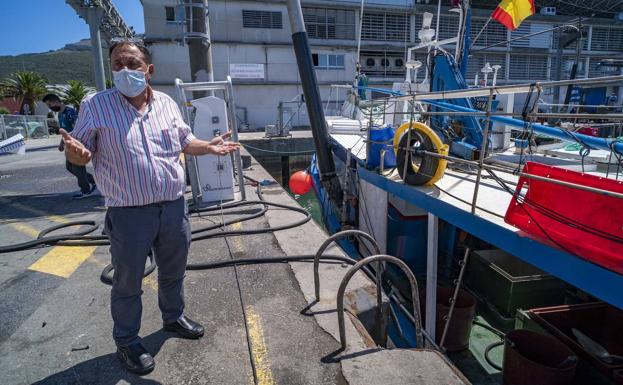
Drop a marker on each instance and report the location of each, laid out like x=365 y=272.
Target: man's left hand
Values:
x=225 y=148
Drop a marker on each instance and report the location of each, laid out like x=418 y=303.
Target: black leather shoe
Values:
x=185 y=327
x=136 y=358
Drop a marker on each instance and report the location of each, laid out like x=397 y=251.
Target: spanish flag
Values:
x=511 y=13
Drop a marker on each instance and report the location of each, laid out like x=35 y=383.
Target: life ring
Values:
x=421 y=170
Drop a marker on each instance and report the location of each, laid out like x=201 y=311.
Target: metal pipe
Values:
x=302 y=50
x=526 y=36
x=483 y=151
x=522 y=174
x=94 y=18
x=601 y=143
x=342 y=234
x=414 y=294
x=504 y=90
x=407 y=314
x=229 y=94
x=457 y=288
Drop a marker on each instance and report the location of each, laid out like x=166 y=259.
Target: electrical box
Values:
x=216 y=176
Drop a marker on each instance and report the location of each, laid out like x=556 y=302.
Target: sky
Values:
x=30 y=26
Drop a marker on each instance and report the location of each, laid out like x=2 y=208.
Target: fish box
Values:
x=599 y=321
x=508 y=283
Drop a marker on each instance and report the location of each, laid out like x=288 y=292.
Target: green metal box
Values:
x=507 y=283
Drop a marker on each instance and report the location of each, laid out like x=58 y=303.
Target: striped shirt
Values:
x=136 y=155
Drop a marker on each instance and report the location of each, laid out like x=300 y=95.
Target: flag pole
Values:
x=480 y=33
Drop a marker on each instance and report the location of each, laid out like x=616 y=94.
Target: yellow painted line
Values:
x=62 y=261
x=236 y=242
x=258 y=348
x=25 y=229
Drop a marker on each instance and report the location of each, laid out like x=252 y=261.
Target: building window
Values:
x=262 y=19
x=169 y=13
x=329 y=23
x=385 y=26
x=328 y=61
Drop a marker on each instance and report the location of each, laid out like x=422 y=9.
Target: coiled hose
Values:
x=81 y=237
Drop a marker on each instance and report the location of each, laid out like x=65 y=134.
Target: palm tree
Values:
x=27 y=85
x=75 y=92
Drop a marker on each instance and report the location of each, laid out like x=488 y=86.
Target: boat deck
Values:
x=451 y=199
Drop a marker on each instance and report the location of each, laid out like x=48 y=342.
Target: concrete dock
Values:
x=55 y=324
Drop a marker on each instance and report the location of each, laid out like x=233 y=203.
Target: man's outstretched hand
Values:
x=75 y=152
x=225 y=148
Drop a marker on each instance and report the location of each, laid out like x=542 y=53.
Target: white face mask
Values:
x=129 y=82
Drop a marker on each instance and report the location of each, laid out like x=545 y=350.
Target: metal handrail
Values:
x=342 y=234
x=414 y=294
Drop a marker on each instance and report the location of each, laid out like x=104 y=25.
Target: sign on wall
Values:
x=246 y=71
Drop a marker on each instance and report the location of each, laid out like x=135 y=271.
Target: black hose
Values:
x=106 y=276
x=43 y=240
x=81 y=237
x=493 y=345
x=488 y=350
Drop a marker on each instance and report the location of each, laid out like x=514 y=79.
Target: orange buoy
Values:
x=300 y=182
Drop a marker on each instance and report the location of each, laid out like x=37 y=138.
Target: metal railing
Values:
x=30 y=126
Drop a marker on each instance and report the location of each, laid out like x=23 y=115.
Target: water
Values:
x=308 y=201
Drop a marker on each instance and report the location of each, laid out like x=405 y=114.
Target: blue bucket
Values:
x=382 y=139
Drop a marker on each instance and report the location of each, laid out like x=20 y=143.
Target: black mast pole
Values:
x=324 y=156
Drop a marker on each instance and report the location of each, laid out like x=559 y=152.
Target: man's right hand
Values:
x=75 y=152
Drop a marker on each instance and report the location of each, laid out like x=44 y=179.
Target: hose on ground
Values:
x=493 y=345
x=106 y=276
x=81 y=237
x=489 y=348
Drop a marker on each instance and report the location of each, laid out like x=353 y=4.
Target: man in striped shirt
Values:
x=134 y=136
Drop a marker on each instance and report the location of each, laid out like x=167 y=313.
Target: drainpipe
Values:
x=324 y=156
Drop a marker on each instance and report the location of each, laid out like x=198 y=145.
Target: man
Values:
x=66 y=120
x=134 y=135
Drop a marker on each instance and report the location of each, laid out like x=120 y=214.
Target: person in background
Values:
x=66 y=119
x=135 y=136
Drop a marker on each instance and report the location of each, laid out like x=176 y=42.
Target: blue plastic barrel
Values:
x=382 y=139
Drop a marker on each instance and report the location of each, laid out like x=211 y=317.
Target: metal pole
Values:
x=231 y=105
x=94 y=18
x=431 y=274
x=483 y=151
x=359 y=34
x=457 y=288
x=199 y=45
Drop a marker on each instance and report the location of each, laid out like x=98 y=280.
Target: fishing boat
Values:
x=495 y=211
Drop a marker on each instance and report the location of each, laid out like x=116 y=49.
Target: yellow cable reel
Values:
x=416 y=135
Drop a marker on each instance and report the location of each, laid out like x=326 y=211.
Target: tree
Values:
x=30 y=86
x=75 y=92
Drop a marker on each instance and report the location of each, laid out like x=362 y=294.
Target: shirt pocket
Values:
x=168 y=143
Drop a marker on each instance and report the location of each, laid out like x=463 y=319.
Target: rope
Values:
x=309 y=152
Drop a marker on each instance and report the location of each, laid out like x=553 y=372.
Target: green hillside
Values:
x=57 y=66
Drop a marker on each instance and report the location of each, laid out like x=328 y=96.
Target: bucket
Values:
x=531 y=358
x=457 y=337
x=382 y=139
x=618 y=377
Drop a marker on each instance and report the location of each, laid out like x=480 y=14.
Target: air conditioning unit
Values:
x=548 y=11
x=370 y=62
